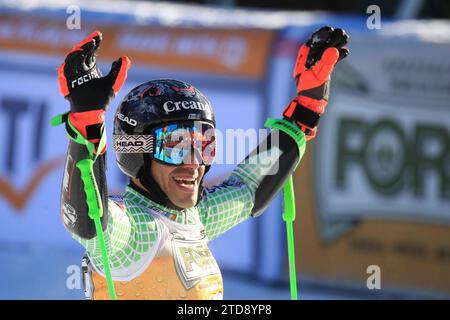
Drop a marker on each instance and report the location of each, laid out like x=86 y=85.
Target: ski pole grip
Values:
x=93 y=199
x=95 y=212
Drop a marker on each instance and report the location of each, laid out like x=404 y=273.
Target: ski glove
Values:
x=82 y=84
x=315 y=63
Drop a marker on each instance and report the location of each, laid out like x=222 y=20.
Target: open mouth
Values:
x=185 y=183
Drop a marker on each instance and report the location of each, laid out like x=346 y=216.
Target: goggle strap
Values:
x=133 y=143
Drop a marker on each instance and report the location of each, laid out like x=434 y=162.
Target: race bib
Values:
x=193 y=261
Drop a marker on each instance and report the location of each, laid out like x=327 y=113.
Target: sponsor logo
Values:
x=193 y=261
x=86 y=78
x=124 y=118
x=69 y=215
x=170 y=106
x=194 y=116
x=130 y=143
x=133 y=143
x=66 y=177
x=381 y=164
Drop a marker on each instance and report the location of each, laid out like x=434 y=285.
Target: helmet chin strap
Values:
x=155 y=193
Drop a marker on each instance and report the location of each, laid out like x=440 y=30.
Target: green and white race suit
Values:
x=159 y=253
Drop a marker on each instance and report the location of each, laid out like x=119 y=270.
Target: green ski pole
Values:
x=289 y=217
x=95 y=208
x=93 y=199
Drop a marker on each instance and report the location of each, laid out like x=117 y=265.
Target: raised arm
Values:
x=257 y=179
x=89 y=94
x=312 y=74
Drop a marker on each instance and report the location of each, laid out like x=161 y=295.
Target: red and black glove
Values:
x=89 y=94
x=315 y=63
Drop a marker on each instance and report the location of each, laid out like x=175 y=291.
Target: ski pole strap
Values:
x=289 y=217
x=76 y=136
x=95 y=212
x=290 y=129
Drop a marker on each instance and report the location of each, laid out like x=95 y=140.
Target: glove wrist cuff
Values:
x=87 y=118
x=85 y=128
x=302 y=115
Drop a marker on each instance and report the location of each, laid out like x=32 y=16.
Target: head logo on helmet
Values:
x=130 y=121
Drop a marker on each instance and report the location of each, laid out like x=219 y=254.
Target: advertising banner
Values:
x=374 y=189
x=225 y=52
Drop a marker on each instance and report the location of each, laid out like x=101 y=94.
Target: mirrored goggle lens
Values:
x=185 y=143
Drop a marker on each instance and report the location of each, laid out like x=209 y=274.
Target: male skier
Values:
x=157 y=234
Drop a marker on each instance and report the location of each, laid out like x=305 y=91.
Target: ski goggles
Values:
x=174 y=144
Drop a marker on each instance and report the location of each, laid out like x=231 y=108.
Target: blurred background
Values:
x=373 y=191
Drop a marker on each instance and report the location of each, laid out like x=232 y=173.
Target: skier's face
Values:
x=180 y=183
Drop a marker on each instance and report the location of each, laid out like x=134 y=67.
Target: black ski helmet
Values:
x=151 y=104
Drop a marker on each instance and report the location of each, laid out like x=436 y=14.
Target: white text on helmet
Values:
x=130 y=121
x=170 y=106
